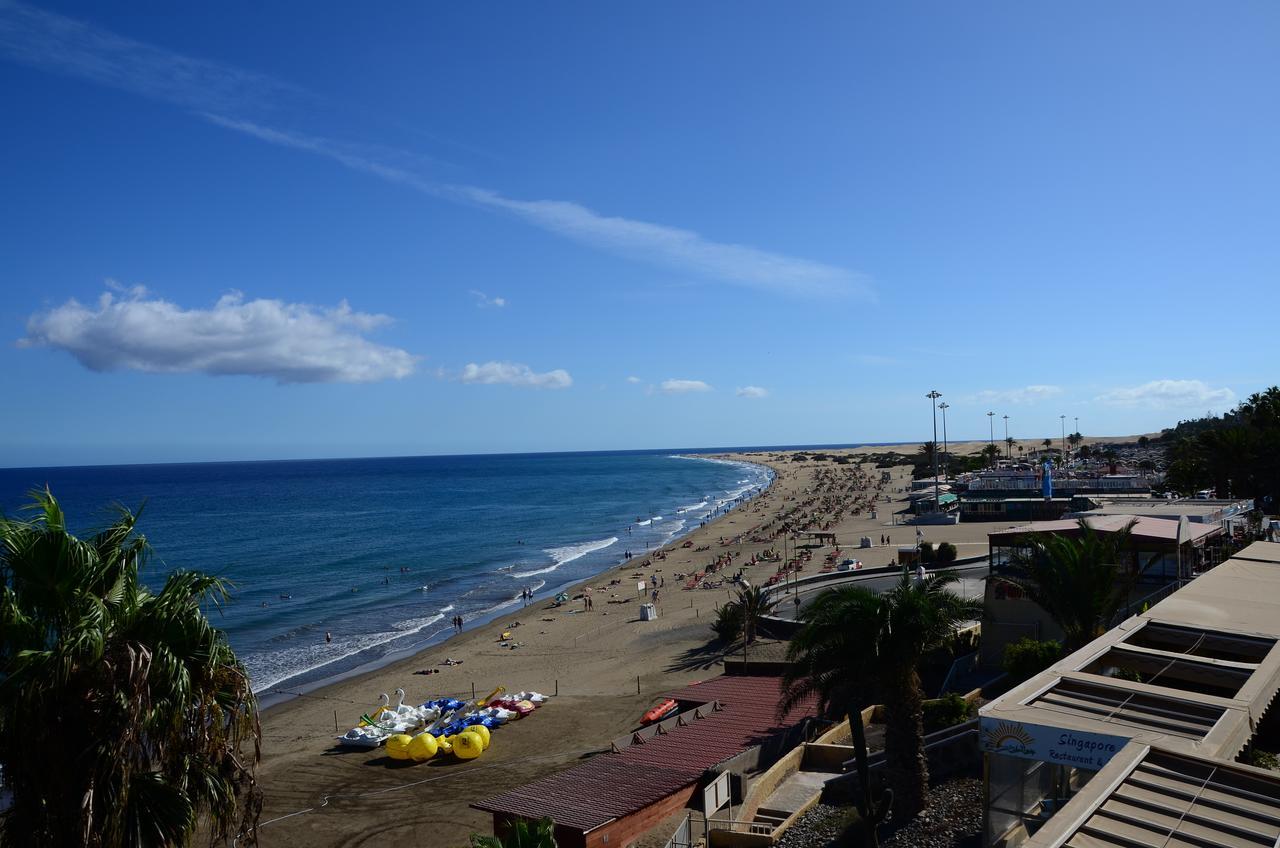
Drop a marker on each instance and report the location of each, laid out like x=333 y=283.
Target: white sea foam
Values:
x=689 y=507
x=568 y=553
x=644 y=523
x=269 y=669
x=443 y=610
x=571 y=552
x=520 y=575
x=675 y=528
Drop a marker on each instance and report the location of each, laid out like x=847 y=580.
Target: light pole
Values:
x=1064 y=437
x=1008 y=447
x=991 y=420
x=933 y=396
x=1078 y=429
x=946 y=459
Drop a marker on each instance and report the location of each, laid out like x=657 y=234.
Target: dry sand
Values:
x=593 y=658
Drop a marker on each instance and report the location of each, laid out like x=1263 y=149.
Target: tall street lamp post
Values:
x=1064 y=437
x=933 y=396
x=946 y=457
x=991 y=420
x=1008 y=447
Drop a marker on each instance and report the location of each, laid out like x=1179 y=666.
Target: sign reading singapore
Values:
x=1049 y=744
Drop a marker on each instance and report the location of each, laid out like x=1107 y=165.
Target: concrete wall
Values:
x=766 y=783
x=952 y=752
x=738 y=839
x=747 y=767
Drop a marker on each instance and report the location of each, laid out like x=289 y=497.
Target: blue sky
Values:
x=244 y=232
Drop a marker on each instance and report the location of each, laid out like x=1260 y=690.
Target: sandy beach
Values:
x=606 y=665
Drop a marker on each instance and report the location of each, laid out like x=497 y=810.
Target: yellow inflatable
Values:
x=398 y=746
x=467 y=746
x=483 y=732
x=423 y=747
x=487 y=698
x=445 y=744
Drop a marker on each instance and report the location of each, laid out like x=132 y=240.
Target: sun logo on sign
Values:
x=1007 y=738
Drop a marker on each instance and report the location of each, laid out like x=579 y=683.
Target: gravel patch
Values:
x=818 y=827
x=952 y=819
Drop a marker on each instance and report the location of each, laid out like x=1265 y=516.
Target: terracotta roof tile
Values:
x=614 y=785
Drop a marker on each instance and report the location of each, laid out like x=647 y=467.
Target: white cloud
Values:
x=515 y=374
x=63 y=45
x=483 y=300
x=634 y=380
x=674 y=387
x=752 y=392
x=1024 y=395
x=1171 y=394
x=684 y=250
x=290 y=342
x=677 y=248
x=224 y=94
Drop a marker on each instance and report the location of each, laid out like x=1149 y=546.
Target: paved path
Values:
x=971 y=585
x=796 y=791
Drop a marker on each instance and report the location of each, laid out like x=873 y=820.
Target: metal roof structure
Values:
x=1145 y=528
x=1195 y=509
x=1195 y=672
x=1151 y=797
x=617 y=784
x=1181 y=689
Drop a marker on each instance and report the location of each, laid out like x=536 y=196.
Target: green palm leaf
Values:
x=123 y=712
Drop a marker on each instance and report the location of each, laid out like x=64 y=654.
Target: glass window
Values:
x=1024 y=794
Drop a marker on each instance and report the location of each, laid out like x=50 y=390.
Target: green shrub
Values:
x=1263 y=759
x=729 y=622
x=927 y=554
x=946 y=554
x=947 y=711
x=1027 y=657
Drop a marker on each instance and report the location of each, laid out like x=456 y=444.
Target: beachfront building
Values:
x=1137 y=738
x=1154 y=547
x=1019 y=494
x=726 y=725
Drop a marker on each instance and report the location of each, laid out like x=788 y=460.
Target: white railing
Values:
x=990 y=484
x=683 y=837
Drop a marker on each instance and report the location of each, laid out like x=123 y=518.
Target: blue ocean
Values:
x=382 y=553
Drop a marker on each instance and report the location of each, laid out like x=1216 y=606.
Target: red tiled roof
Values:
x=614 y=785
x=592 y=794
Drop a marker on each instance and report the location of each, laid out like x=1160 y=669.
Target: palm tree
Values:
x=123 y=711
x=756 y=604
x=1047 y=443
x=926 y=452
x=1075 y=439
x=520 y=834
x=1080 y=581
x=1008 y=440
x=990 y=452
x=855 y=645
